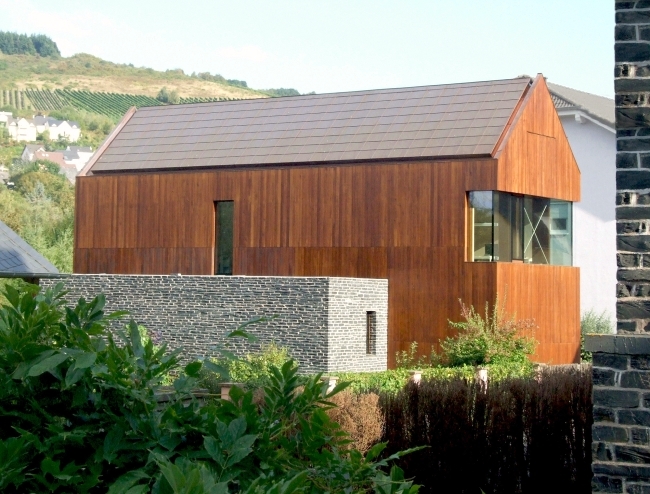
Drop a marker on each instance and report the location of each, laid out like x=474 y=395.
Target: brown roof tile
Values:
x=421 y=122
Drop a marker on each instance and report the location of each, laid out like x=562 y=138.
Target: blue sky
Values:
x=328 y=46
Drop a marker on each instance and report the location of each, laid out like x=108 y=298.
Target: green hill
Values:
x=33 y=63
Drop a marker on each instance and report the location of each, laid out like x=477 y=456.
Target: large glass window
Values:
x=516 y=228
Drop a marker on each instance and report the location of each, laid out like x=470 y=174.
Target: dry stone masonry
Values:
x=632 y=87
x=322 y=321
x=621 y=397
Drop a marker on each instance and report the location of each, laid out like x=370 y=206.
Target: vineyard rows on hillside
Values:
x=113 y=105
x=15 y=98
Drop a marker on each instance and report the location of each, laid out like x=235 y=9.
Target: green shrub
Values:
x=392 y=381
x=493 y=337
x=79 y=413
x=593 y=323
x=253 y=370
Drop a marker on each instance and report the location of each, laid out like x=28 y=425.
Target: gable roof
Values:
x=421 y=122
x=19 y=259
x=598 y=107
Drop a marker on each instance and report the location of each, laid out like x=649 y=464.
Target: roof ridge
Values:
x=398 y=89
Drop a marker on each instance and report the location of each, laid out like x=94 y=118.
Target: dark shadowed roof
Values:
x=599 y=107
x=18 y=258
x=421 y=122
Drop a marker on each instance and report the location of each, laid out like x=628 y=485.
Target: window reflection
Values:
x=516 y=228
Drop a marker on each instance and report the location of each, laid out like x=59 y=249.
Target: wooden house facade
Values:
x=450 y=192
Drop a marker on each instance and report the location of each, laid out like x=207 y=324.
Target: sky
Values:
x=333 y=45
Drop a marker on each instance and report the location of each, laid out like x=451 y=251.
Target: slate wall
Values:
x=322 y=321
x=621 y=430
x=632 y=87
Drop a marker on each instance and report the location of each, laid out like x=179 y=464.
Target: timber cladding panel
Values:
x=400 y=221
x=536 y=159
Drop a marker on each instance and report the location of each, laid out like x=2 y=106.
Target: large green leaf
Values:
x=85 y=360
x=47 y=365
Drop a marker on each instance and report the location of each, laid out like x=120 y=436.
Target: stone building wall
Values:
x=621 y=397
x=632 y=87
x=322 y=321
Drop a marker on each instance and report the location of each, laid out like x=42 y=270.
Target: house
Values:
x=78 y=156
x=18 y=259
x=21 y=129
x=58 y=129
x=70 y=160
x=588 y=122
x=4 y=117
x=458 y=191
x=29 y=151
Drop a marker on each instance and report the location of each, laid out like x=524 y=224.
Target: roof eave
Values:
x=107 y=142
x=514 y=118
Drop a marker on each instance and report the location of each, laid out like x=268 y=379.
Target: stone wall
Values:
x=322 y=321
x=632 y=87
x=621 y=397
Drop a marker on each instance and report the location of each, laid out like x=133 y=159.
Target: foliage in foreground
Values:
x=254 y=370
x=592 y=322
x=80 y=414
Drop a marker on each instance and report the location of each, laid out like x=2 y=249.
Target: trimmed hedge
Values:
x=512 y=436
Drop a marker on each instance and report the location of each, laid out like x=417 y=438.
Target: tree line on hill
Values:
x=23 y=44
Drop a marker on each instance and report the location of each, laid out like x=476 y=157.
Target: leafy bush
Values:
x=489 y=338
x=254 y=370
x=593 y=323
x=80 y=414
x=393 y=381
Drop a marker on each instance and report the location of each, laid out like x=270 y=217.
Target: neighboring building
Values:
x=71 y=160
x=459 y=191
x=4 y=117
x=18 y=259
x=77 y=156
x=29 y=151
x=58 y=129
x=588 y=122
x=22 y=129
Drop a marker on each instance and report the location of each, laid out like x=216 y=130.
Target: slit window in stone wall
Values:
x=371 y=333
x=505 y=227
x=223 y=242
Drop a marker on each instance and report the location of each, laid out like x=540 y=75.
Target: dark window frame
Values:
x=223 y=265
x=371 y=332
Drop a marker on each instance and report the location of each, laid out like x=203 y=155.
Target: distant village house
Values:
x=71 y=160
x=27 y=130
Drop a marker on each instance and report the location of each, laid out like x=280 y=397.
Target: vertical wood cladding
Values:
x=536 y=158
x=401 y=221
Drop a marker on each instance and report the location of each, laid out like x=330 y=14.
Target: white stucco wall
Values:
x=594 y=240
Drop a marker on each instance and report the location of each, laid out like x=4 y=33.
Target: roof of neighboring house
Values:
x=598 y=107
x=80 y=149
x=53 y=156
x=32 y=148
x=18 y=258
x=420 y=122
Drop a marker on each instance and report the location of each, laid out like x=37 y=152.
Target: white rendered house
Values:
x=21 y=129
x=588 y=122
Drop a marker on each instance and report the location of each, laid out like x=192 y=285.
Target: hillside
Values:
x=84 y=72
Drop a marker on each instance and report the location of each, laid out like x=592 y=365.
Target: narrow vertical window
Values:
x=371 y=333
x=223 y=243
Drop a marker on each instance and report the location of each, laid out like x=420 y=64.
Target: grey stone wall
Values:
x=632 y=87
x=621 y=397
x=322 y=321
